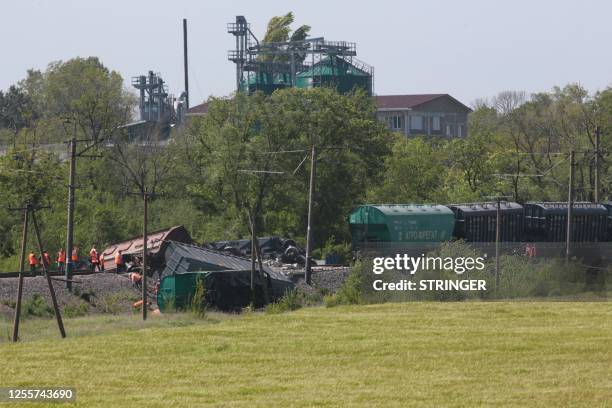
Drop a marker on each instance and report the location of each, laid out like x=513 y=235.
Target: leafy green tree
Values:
x=414 y=172
x=17 y=109
x=279 y=30
x=254 y=152
x=95 y=99
x=85 y=89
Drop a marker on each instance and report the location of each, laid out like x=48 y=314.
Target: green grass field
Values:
x=411 y=354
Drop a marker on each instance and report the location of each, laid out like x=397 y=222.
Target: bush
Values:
x=354 y=288
x=88 y=295
x=292 y=300
x=520 y=277
x=76 y=309
x=37 y=306
x=116 y=303
x=197 y=304
x=341 y=249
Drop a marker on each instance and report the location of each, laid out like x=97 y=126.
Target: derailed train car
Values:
x=226 y=278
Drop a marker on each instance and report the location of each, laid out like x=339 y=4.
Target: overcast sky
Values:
x=469 y=49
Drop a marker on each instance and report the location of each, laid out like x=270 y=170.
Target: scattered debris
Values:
x=272 y=248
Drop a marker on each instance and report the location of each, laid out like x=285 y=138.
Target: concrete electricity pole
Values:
x=146 y=196
x=497 y=241
x=71 y=190
x=70 y=217
x=313 y=174
x=498 y=216
x=185 y=64
x=570 y=204
x=145 y=237
x=597 y=153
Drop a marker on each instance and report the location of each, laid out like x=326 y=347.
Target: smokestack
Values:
x=185 y=63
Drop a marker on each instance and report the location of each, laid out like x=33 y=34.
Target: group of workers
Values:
x=96 y=261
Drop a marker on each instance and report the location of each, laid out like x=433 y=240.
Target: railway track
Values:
x=51 y=274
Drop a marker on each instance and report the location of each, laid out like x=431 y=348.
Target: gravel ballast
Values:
x=99 y=293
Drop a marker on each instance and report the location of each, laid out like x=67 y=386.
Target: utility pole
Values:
x=24 y=241
x=58 y=316
x=70 y=222
x=498 y=217
x=313 y=174
x=262 y=274
x=597 y=153
x=145 y=197
x=253 y=255
x=186 y=64
x=71 y=189
x=570 y=204
x=497 y=241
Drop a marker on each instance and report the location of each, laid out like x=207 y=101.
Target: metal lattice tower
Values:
x=156 y=105
x=277 y=64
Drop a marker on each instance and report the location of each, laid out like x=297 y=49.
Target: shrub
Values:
x=292 y=300
x=197 y=303
x=8 y=302
x=37 y=306
x=353 y=290
x=76 y=309
x=341 y=249
x=115 y=303
x=88 y=295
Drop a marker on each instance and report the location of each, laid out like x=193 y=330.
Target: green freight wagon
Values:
x=226 y=278
x=412 y=223
x=225 y=290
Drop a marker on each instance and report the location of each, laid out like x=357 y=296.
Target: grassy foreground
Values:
x=410 y=354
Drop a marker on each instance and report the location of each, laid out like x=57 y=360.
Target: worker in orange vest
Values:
x=75 y=257
x=33 y=262
x=135 y=278
x=101 y=262
x=119 y=262
x=61 y=259
x=93 y=258
x=46 y=259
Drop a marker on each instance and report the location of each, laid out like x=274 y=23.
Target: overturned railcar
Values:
x=477 y=222
x=226 y=278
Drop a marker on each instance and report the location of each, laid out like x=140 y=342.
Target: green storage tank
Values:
x=337 y=73
x=265 y=82
x=401 y=223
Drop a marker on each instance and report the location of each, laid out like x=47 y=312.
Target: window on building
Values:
x=449 y=130
x=436 y=123
x=417 y=123
x=394 y=122
x=460 y=130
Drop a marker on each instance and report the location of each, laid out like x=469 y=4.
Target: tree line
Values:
x=248 y=158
